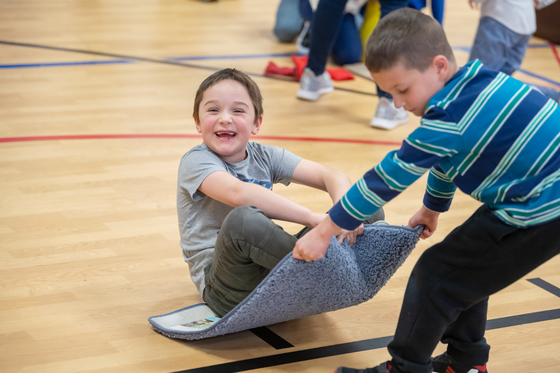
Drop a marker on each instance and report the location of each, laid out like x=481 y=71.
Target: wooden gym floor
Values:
x=95 y=114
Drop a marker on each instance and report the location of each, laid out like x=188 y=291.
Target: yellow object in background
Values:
x=371 y=17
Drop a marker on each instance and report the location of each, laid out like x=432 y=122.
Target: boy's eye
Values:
x=403 y=91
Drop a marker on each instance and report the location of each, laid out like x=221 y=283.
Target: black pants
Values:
x=446 y=298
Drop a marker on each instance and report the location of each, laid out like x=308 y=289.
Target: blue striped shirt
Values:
x=487 y=134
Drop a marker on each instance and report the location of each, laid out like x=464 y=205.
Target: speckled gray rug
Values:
x=346 y=276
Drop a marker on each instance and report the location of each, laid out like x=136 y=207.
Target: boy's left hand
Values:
x=313 y=245
x=350 y=235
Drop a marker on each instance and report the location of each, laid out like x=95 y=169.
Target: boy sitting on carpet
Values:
x=225 y=199
x=491 y=136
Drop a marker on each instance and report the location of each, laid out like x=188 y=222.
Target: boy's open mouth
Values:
x=225 y=134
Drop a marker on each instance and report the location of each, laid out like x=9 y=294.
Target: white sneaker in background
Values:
x=387 y=116
x=311 y=85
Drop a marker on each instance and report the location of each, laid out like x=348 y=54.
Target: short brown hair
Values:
x=230 y=74
x=409 y=37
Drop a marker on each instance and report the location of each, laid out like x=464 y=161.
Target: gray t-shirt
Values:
x=200 y=217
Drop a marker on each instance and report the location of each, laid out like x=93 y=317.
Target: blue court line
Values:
x=234 y=57
x=530 y=46
x=109 y=62
x=539 y=77
x=526 y=72
x=174 y=60
x=55 y=64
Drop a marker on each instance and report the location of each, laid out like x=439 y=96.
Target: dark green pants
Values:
x=248 y=247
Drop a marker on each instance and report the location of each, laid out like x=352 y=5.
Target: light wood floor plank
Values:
x=89 y=243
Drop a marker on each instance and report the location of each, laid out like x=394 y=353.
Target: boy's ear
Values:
x=257 y=126
x=441 y=66
x=198 y=129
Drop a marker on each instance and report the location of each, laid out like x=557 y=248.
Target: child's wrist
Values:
x=328 y=228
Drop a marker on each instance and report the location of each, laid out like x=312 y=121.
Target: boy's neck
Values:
x=452 y=70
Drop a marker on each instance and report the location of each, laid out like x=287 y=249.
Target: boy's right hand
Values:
x=426 y=217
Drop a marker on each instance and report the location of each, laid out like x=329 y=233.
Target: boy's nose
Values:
x=225 y=117
x=399 y=103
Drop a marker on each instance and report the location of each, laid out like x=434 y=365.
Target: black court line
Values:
x=546 y=286
x=279 y=343
x=155 y=60
x=293 y=357
x=271 y=338
x=347 y=348
x=528 y=318
x=369 y=344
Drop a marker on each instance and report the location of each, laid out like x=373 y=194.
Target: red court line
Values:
x=186 y=136
x=555 y=52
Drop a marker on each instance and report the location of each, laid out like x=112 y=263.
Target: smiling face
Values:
x=412 y=89
x=227 y=120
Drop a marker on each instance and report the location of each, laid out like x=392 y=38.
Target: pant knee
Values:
x=246 y=223
x=234 y=220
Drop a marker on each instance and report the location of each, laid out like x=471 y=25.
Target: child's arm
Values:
x=317 y=176
x=427 y=217
x=332 y=181
x=227 y=189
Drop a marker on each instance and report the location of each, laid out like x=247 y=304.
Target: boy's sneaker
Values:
x=387 y=116
x=311 y=85
x=386 y=367
x=446 y=364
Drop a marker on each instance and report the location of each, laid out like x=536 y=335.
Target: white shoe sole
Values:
x=387 y=124
x=313 y=96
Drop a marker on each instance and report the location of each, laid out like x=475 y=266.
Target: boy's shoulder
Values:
x=202 y=152
x=250 y=145
x=198 y=148
x=199 y=156
x=256 y=152
x=463 y=88
x=260 y=146
x=268 y=152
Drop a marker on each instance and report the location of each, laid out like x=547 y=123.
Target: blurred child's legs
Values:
x=503 y=50
x=447 y=294
x=326 y=25
x=347 y=47
x=387 y=6
x=288 y=21
x=498 y=47
x=248 y=247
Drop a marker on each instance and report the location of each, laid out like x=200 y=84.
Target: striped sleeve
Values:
x=439 y=191
x=377 y=187
x=422 y=150
x=490 y=135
